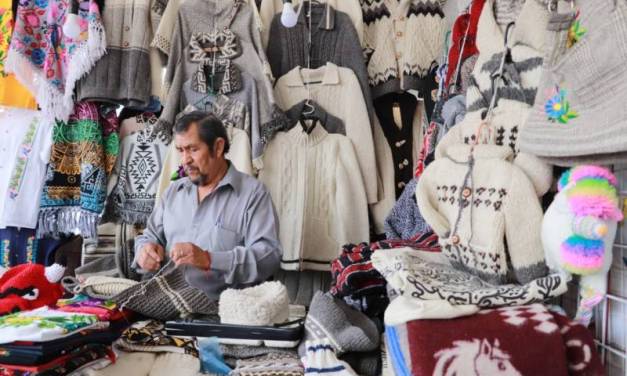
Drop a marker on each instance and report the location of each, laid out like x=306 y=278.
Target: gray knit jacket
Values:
x=333 y=39
x=204 y=16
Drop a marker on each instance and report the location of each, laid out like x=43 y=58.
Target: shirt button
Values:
x=400 y=185
x=466 y=192
x=455 y=239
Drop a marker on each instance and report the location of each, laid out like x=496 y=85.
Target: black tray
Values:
x=290 y=331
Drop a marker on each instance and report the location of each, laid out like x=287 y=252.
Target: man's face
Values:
x=200 y=165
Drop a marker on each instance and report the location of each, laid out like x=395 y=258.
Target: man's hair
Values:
x=210 y=128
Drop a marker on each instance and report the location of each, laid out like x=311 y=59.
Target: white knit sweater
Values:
x=402 y=41
x=486 y=214
x=514 y=99
x=338 y=92
x=317 y=190
x=270 y=8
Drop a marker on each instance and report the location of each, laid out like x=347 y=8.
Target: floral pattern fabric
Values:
x=42 y=324
x=48 y=62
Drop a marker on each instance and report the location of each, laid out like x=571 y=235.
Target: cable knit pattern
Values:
x=316 y=187
x=486 y=213
x=338 y=93
x=515 y=96
x=403 y=40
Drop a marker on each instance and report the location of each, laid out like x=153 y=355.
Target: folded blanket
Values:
x=526 y=340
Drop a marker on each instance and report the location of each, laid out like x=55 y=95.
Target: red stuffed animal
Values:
x=29 y=286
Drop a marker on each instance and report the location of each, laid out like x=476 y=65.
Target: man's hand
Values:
x=150 y=257
x=190 y=254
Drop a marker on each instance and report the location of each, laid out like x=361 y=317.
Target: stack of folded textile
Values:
x=59 y=341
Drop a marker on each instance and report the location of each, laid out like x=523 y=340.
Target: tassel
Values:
x=289 y=17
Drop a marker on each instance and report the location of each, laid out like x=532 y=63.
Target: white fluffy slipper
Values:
x=261 y=305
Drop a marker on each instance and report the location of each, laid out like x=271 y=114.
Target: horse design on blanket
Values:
x=476 y=357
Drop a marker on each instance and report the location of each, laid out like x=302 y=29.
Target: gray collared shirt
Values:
x=236 y=224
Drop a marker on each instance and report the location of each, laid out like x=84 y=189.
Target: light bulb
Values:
x=71 y=27
x=288 y=16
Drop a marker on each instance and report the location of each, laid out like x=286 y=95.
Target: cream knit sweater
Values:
x=318 y=192
x=516 y=98
x=338 y=92
x=270 y=8
x=485 y=212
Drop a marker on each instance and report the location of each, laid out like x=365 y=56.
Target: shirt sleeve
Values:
x=260 y=256
x=154 y=230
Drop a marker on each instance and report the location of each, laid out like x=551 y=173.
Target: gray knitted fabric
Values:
x=405 y=221
x=274 y=364
x=454 y=110
x=233 y=353
x=167 y=297
x=365 y=364
x=506 y=11
x=348 y=330
x=336 y=42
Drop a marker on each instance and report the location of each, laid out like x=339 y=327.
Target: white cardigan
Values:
x=318 y=193
x=338 y=92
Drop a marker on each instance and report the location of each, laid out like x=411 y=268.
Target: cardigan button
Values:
x=125 y=44
x=466 y=192
x=455 y=239
x=399 y=34
x=400 y=185
x=126 y=28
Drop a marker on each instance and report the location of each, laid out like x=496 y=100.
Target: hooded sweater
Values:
x=515 y=97
x=486 y=213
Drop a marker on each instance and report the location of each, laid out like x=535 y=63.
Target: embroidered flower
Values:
x=557 y=107
x=576 y=32
x=38 y=56
x=41 y=3
x=5 y=36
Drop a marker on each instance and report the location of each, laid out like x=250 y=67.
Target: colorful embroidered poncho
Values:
x=48 y=62
x=83 y=154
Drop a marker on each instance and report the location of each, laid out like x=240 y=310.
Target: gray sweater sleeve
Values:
x=260 y=256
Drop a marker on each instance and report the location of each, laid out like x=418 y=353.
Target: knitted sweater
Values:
x=269 y=8
x=317 y=190
x=515 y=98
x=333 y=39
x=337 y=91
x=229 y=28
x=121 y=75
x=486 y=213
x=403 y=39
x=134 y=181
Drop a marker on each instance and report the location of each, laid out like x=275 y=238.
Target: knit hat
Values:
x=99 y=287
x=579 y=115
x=28 y=286
x=166 y=297
x=265 y=304
x=347 y=329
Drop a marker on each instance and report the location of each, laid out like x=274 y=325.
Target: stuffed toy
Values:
x=578 y=231
x=28 y=286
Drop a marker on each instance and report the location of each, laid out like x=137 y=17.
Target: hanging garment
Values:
x=578 y=116
x=515 y=92
x=405 y=221
x=463 y=39
x=333 y=39
x=48 y=62
x=12 y=93
x=317 y=189
x=270 y=8
x=123 y=74
x=134 y=180
x=402 y=138
x=20 y=246
x=208 y=36
x=24 y=152
x=485 y=212
x=83 y=152
x=403 y=40
x=337 y=90
x=135 y=123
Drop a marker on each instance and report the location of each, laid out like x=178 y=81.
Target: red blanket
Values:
x=526 y=340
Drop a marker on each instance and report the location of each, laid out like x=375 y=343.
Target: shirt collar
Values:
x=328 y=74
x=327 y=12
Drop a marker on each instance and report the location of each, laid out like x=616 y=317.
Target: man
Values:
x=217 y=222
